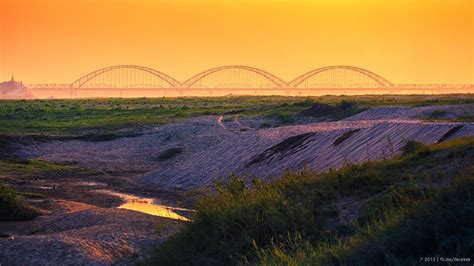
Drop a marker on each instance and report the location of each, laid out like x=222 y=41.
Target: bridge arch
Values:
x=373 y=76
x=267 y=75
x=83 y=80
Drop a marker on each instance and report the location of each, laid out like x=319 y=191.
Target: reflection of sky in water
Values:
x=152 y=209
x=146 y=205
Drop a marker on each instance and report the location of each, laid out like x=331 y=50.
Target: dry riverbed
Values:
x=73 y=233
x=111 y=214
x=88 y=218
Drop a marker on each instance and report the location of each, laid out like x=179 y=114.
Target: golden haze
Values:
x=416 y=41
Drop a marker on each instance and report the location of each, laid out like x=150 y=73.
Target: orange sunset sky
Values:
x=405 y=41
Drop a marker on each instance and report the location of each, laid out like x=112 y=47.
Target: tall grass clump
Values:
x=412 y=146
x=13 y=207
x=438 y=225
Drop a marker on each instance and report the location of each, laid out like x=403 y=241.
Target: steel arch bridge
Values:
x=274 y=80
x=239 y=79
x=382 y=82
x=90 y=80
x=83 y=80
x=140 y=81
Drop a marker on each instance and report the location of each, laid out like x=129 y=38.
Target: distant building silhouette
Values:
x=13 y=89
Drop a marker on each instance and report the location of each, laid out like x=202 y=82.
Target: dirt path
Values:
x=233 y=125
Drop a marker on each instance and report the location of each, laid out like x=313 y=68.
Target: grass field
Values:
x=389 y=212
x=104 y=116
x=35 y=168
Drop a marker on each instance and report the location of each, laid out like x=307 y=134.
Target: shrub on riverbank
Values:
x=13 y=207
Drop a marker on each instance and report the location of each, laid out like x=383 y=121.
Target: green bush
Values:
x=437 y=114
x=13 y=207
x=347 y=105
x=282 y=117
x=412 y=146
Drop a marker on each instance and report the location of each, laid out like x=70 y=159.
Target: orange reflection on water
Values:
x=152 y=209
x=146 y=205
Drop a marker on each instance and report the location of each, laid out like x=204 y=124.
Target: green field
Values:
x=103 y=116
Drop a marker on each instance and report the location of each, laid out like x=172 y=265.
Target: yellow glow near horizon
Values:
x=417 y=41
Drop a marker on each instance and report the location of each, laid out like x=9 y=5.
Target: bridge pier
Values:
x=71 y=93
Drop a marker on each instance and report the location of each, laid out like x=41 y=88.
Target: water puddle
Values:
x=45 y=187
x=36 y=200
x=147 y=205
x=90 y=184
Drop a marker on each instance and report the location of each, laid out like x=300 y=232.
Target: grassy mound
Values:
x=13 y=207
x=388 y=212
x=339 y=111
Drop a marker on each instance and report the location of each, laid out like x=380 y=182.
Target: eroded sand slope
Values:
x=210 y=148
